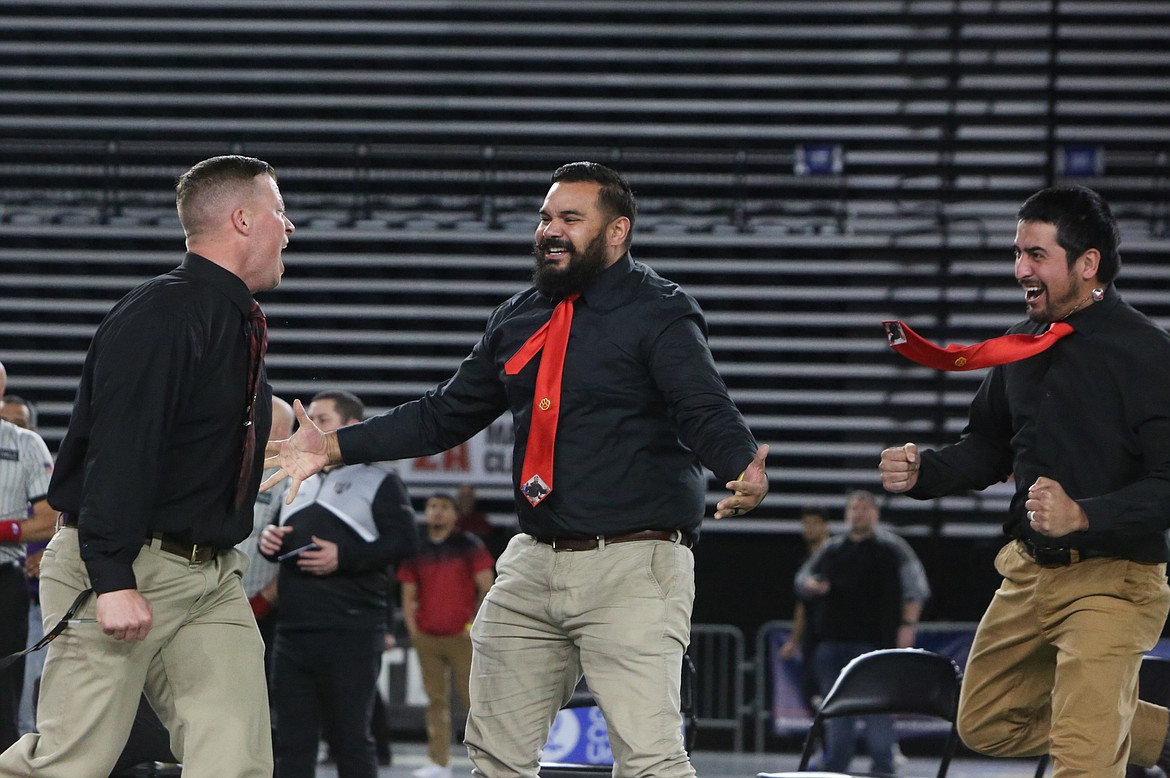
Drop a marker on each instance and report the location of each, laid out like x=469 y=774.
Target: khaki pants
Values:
x=201 y=666
x=445 y=661
x=1054 y=665
x=621 y=614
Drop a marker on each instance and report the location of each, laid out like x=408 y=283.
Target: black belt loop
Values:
x=53 y=633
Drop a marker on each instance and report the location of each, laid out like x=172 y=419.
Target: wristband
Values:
x=260 y=605
x=9 y=531
x=909 y=623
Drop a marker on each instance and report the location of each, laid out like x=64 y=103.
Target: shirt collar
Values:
x=1090 y=317
x=225 y=281
x=609 y=290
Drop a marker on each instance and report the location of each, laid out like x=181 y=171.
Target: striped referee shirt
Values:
x=25 y=468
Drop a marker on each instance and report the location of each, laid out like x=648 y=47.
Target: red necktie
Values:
x=536 y=477
x=989 y=353
x=257 y=332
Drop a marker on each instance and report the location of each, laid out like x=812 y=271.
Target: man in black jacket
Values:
x=351 y=522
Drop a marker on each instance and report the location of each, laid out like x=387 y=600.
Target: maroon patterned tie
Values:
x=257 y=332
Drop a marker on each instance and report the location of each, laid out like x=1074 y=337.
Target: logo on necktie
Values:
x=535 y=489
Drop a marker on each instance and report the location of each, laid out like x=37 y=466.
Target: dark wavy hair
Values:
x=1083 y=221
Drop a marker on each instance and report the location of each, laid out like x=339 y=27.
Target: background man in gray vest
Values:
x=356 y=520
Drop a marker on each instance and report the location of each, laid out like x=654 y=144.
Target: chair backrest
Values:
x=894 y=680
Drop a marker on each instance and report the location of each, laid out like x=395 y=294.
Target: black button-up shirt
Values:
x=156 y=435
x=641 y=406
x=1092 y=413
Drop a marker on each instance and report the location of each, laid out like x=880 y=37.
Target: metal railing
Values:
x=718 y=653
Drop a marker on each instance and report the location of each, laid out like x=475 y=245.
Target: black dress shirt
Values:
x=864 y=601
x=641 y=405
x=156 y=435
x=1092 y=413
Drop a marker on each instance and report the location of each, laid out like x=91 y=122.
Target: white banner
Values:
x=485 y=460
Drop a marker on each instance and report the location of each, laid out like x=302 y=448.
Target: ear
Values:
x=619 y=230
x=1088 y=263
x=242 y=220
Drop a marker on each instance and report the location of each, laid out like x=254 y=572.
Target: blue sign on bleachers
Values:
x=578 y=736
x=1081 y=160
x=818 y=159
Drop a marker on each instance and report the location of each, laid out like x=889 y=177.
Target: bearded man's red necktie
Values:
x=536 y=476
x=257 y=332
x=989 y=353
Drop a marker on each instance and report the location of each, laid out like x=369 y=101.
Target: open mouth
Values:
x=554 y=252
x=1032 y=293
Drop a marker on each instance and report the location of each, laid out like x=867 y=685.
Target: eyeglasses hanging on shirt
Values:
x=66 y=620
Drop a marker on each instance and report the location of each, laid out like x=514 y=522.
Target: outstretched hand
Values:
x=749 y=490
x=298 y=457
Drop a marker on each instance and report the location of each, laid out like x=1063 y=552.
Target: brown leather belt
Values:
x=1060 y=556
x=194 y=553
x=682 y=537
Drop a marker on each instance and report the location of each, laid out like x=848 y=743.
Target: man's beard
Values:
x=580 y=268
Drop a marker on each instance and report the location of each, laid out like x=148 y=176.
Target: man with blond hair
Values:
x=155 y=480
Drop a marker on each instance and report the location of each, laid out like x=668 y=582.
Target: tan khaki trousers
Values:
x=445 y=661
x=621 y=614
x=1054 y=665
x=201 y=666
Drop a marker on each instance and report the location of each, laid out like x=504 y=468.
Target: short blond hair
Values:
x=207 y=183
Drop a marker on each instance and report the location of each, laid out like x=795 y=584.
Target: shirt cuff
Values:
x=108 y=574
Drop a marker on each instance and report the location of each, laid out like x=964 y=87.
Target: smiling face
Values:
x=1052 y=288
x=575 y=239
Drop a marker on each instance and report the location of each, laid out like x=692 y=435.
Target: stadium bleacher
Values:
x=804 y=169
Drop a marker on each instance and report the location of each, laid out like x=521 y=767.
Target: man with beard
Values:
x=601 y=579
x=1084 y=428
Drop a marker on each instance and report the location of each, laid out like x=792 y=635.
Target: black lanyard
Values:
x=53 y=633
